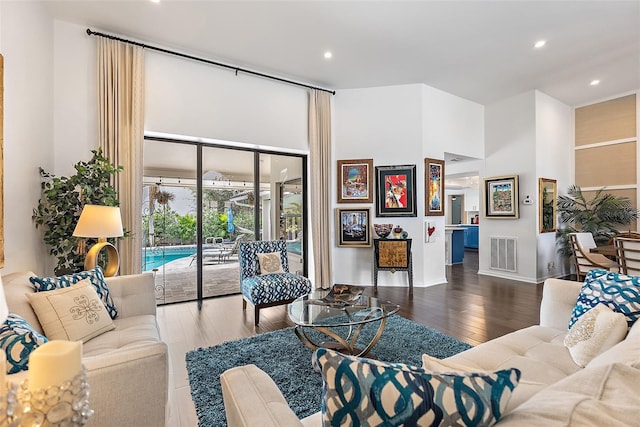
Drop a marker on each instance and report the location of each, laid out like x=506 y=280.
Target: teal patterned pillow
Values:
x=619 y=292
x=95 y=276
x=358 y=391
x=18 y=339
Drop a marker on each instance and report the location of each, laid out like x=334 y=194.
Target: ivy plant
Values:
x=62 y=201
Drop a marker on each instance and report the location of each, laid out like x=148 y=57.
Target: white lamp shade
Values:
x=99 y=221
x=4 y=310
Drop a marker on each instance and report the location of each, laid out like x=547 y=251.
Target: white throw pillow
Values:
x=75 y=313
x=596 y=331
x=270 y=263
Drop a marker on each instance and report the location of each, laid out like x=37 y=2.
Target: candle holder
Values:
x=10 y=407
x=64 y=405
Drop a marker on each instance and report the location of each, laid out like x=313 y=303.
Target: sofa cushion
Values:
x=596 y=396
x=94 y=275
x=73 y=313
x=627 y=351
x=537 y=351
x=522 y=393
x=16 y=286
x=363 y=391
x=129 y=332
x=619 y=292
x=596 y=331
x=18 y=339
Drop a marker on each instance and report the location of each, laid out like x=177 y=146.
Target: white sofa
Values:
x=127 y=367
x=605 y=392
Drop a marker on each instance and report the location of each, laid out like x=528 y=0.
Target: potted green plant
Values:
x=600 y=215
x=61 y=203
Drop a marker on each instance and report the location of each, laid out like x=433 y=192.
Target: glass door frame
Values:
x=256 y=188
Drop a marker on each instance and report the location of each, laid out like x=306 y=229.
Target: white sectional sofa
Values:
x=553 y=391
x=127 y=367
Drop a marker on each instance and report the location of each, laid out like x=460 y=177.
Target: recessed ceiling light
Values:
x=154 y=1
x=595 y=82
x=328 y=55
x=539 y=44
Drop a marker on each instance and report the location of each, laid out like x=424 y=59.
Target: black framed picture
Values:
x=353 y=226
x=501 y=197
x=396 y=190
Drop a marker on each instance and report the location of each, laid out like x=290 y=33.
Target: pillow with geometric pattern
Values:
x=96 y=277
x=360 y=391
x=618 y=292
x=18 y=339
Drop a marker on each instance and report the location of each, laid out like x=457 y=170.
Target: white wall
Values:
x=510 y=149
x=399 y=125
x=554 y=160
x=385 y=124
x=26 y=32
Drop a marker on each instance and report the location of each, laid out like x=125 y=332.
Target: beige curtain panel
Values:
x=121 y=133
x=320 y=157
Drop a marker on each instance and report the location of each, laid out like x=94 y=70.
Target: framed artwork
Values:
x=547 y=204
x=353 y=226
x=355 y=181
x=396 y=190
x=501 y=197
x=434 y=187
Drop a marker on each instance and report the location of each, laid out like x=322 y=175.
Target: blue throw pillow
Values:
x=619 y=292
x=359 y=391
x=95 y=276
x=18 y=339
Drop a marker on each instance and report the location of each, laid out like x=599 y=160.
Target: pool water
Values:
x=154 y=258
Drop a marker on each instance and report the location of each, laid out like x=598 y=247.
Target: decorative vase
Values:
x=397 y=232
x=383 y=230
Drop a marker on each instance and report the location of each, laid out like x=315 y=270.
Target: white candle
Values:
x=53 y=363
x=3 y=373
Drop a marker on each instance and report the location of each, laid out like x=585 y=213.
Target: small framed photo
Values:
x=501 y=197
x=353 y=227
x=434 y=187
x=355 y=181
x=396 y=190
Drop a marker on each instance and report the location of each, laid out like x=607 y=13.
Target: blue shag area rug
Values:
x=288 y=362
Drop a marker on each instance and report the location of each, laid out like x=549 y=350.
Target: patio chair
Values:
x=265 y=282
x=582 y=243
x=628 y=254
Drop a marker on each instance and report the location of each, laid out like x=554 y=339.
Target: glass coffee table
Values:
x=339 y=325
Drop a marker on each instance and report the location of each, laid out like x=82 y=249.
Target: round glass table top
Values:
x=311 y=310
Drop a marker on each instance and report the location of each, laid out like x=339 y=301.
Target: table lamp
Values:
x=101 y=222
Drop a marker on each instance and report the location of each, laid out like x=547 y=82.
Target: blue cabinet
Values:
x=470 y=236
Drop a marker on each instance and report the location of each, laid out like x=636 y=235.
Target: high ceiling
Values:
x=479 y=50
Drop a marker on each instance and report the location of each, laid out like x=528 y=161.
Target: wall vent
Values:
x=503 y=253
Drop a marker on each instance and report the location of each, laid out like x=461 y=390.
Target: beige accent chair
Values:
x=584 y=260
x=628 y=255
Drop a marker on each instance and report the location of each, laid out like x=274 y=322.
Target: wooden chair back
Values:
x=585 y=261
x=628 y=254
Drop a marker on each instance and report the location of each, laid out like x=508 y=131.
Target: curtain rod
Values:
x=207 y=61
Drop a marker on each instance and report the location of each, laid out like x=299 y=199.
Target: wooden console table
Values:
x=392 y=255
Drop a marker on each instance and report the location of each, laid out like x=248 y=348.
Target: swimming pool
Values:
x=156 y=257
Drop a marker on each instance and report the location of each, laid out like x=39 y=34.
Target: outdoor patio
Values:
x=176 y=280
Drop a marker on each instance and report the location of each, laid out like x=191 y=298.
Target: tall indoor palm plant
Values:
x=600 y=215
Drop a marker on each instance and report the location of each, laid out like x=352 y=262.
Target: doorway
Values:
x=456 y=203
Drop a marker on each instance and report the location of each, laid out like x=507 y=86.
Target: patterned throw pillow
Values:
x=18 y=339
x=596 y=331
x=270 y=263
x=359 y=391
x=619 y=292
x=95 y=276
x=74 y=313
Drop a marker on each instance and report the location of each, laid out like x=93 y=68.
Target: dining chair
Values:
x=265 y=280
x=584 y=261
x=628 y=255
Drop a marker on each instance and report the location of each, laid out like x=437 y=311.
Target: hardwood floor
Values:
x=469 y=307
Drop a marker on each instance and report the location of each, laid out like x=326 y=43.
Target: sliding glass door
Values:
x=201 y=201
